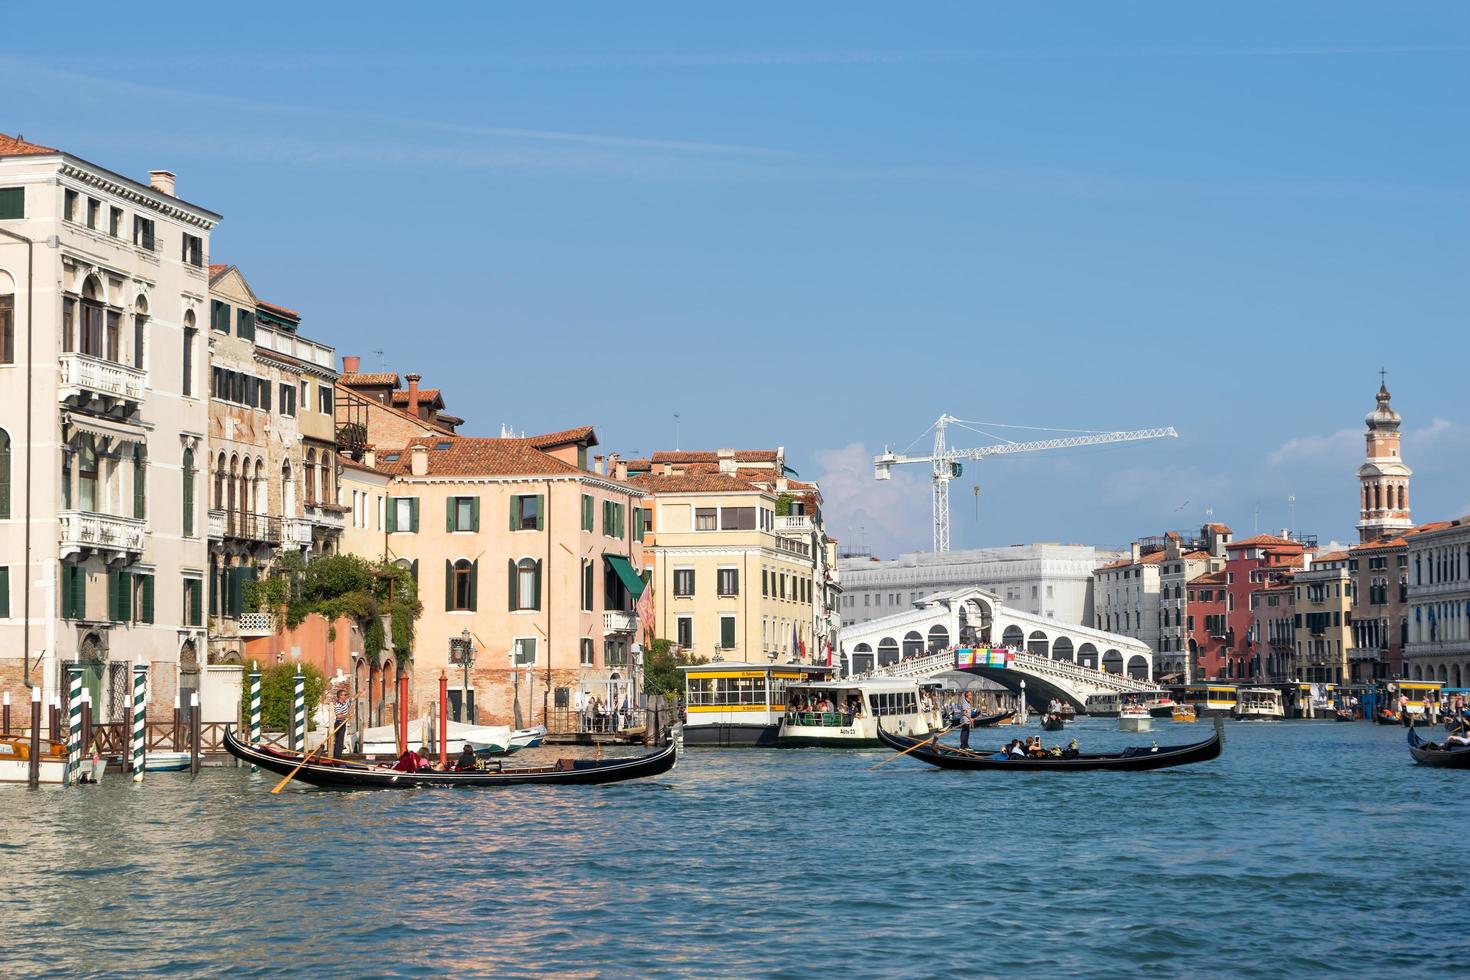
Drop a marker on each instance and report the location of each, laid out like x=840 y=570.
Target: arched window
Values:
x=232 y=479
x=140 y=330
x=288 y=491
x=460 y=585
x=913 y=644
x=7 y=319
x=89 y=339
x=1038 y=644
x=188 y=505
x=190 y=334
x=4 y=475
x=324 y=467
x=525 y=584
x=1403 y=497
x=219 y=482
x=887 y=651
x=311 y=476
x=938 y=638
x=262 y=491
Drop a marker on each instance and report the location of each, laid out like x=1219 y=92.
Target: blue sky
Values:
x=823 y=225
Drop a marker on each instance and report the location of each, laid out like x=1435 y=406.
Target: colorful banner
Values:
x=983 y=657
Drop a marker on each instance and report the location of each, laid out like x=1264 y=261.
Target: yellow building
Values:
x=724 y=581
x=1323 y=620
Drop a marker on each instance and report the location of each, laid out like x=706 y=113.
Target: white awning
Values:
x=106 y=428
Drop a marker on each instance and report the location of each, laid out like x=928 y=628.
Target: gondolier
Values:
x=341 y=707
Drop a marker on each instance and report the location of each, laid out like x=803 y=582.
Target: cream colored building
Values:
x=104 y=298
x=1323 y=603
x=725 y=582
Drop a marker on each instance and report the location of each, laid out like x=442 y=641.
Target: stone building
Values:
x=1187 y=556
x=103 y=421
x=1322 y=595
x=1383 y=479
x=1125 y=595
x=1438 y=646
x=1272 y=639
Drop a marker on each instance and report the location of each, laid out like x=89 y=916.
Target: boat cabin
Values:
x=730 y=703
x=1419 y=694
x=847 y=713
x=1259 y=704
x=1208 y=700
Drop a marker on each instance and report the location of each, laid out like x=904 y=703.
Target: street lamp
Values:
x=462 y=652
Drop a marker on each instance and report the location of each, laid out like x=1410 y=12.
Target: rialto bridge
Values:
x=1055 y=659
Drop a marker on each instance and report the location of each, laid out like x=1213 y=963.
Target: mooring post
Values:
x=140 y=721
x=298 y=712
x=402 y=711
x=254 y=702
x=84 y=741
x=194 y=732
x=55 y=717
x=33 y=776
x=5 y=721
x=443 y=719
x=177 y=738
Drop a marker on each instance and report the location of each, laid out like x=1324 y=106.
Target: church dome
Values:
x=1383 y=416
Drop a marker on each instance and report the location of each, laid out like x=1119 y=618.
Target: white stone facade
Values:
x=1439 y=605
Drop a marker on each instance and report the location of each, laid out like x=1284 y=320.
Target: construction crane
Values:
x=945 y=461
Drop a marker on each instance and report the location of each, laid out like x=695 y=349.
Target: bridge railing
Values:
x=938 y=663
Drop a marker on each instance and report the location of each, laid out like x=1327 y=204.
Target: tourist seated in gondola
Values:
x=1071 y=751
x=1457 y=739
x=1034 y=747
x=410 y=761
x=467 y=759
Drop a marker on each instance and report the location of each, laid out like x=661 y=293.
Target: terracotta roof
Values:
x=465 y=456
x=582 y=433
x=19 y=146
x=639 y=464
x=741 y=455
x=1262 y=539
x=1400 y=540
x=1331 y=556
x=383 y=378
x=216 y=269
x=448 y=419
x=279 y=309
x=1209 y=578
x=1152 y=558
x=691 y=483
x=425 y=395
x=349 y=463
x=1195 y=555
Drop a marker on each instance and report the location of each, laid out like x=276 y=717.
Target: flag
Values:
x=644 y=608
x=829 y=651
x=795 y=641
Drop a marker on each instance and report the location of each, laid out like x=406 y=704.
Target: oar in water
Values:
x=914 y=746
x=307 y=757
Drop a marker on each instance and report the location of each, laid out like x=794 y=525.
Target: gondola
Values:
x=992 y=720
x=1052 y=723
x=1345 y=714
x=1438 y=755
x=1385 y=717
x=1131 y=759
x=336 y=774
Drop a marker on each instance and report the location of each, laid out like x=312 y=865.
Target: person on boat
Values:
x=1034 y=748
x=409 y=761
x=1017 y=750
x=967 y=717
x=1071 y=751
x=467 y=760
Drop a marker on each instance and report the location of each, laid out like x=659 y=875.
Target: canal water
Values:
x=1308 y=848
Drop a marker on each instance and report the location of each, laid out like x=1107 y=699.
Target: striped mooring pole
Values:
x=74 y=722
x=140 y=720
x=254 y=702
x=298 y=713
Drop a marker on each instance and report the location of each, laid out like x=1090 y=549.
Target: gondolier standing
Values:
x=340 y=708
x=967 y=716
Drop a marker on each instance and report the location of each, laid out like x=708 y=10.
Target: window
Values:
x=94 y=212
x=219 y=316
x=69 y=205
x=119 y=596
x=188 y=495
x=737 y=518
x=766 y=584
x=460 y=585
x=7 y=327
x=188 y=366
x=525 y=584
x=616 y=653
x=4 y=592
x=684 y=630
x=586 y=512
x=193 y=602
x=587 y=585
x=245 y=324
x=705 y=519
x=4 y=474
x=612 y=519
x=727 y=582
x=193 y=250
x=525 y=651
x=73 y=592
x=114 y=222
x=87 y=474
x=683 y=582
x=140 y=482
x=403 y=513
x=525 y=512
x=288 y=398
x=142 y=588
x=324 y=399
x=463 y=514
x=727 y=632
x=12 y=202
x=143 y=232
x=588 y=658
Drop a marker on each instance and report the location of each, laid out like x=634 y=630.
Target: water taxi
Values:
x=731 y=703
x=1184 y=713
x=1135 y=718
x=1160 y=704
x=851 y=710
x=1208 y=700
x=1259 y=704
x=15 y=760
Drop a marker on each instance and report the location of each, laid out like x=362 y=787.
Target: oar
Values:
x=307 y=757
x=914 y=746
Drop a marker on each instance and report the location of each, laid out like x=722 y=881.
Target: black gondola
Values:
x=999 y=719
x=1425 y=753
x=336 y=774
x=1052 y=723
x=1131 y=759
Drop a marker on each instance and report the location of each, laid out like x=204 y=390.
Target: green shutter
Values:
x=727 y=632
x=607 y=518
x=196 y=602
x=120 y=596
x=536 y=587
x=4 y=593
x=392 y=514
x=449 y=514
x=512 y=566
x=140 y=483
x=145 y=615
x=474 y=585
x=540 y=512
x=413 y=515
x=233 y=586
x=188 y=494
x=448 y=585
x=474 y=514
x=514 y=500
x=413 y=571
x=622 y=512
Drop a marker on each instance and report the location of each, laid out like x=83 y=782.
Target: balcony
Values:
x=616 y=621
x=84 y=531
x=296 y=532
x=85 y=376
x=257 y=624
x=794 y=524
x=229 y=525
x=326 y=515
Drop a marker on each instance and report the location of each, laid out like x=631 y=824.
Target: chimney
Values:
x=612 y=464
x=162 y=181
x=418 y=460
x=727 y=460
x=413 y=395
x=350 y=364
x=622 y=470
x=597 y=465
x=370 y=457
x=1137 y=550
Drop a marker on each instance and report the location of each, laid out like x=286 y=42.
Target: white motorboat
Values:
x=1259 y=704
x=844 y=714
x=527 y=738
x=1135 y=718
x=15 y=761
x=485 y=739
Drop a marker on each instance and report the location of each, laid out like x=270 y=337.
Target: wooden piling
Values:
x=194 y=732
x=33 y=775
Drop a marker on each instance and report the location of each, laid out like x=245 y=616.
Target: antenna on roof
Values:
x=676 y=432
x=382 y=364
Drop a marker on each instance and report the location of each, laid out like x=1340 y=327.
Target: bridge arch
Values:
x=1087 y=655
x=887 y=651
x=976 y=618
x=1038 y=644
x=1138 y=667
x=1062 y=648
x=1013 y=636
x=913 y=644
x=938 y=638
x=1112 y=662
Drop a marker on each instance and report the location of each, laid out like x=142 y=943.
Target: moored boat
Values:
x=1345 y=714
x=336 y=774
x=15 y=761
x=734 y=704
x=1432 y=754
x=991 y=721
x=1132 y=759
x=1208 y=700
x=527 y=738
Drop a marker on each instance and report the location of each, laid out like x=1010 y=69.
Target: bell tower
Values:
x=1383 y=479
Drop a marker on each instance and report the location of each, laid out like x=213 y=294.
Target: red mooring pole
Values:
x=443 y=719
x=402 y=711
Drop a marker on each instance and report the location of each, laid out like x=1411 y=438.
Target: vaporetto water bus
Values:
x=1208 y=700
x=1259 y=704
x=736 y=704
x=845 y=714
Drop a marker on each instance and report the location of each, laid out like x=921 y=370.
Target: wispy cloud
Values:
x=889 y=516
x=1312 y=450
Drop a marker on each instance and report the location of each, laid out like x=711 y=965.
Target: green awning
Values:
x=630 y=578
